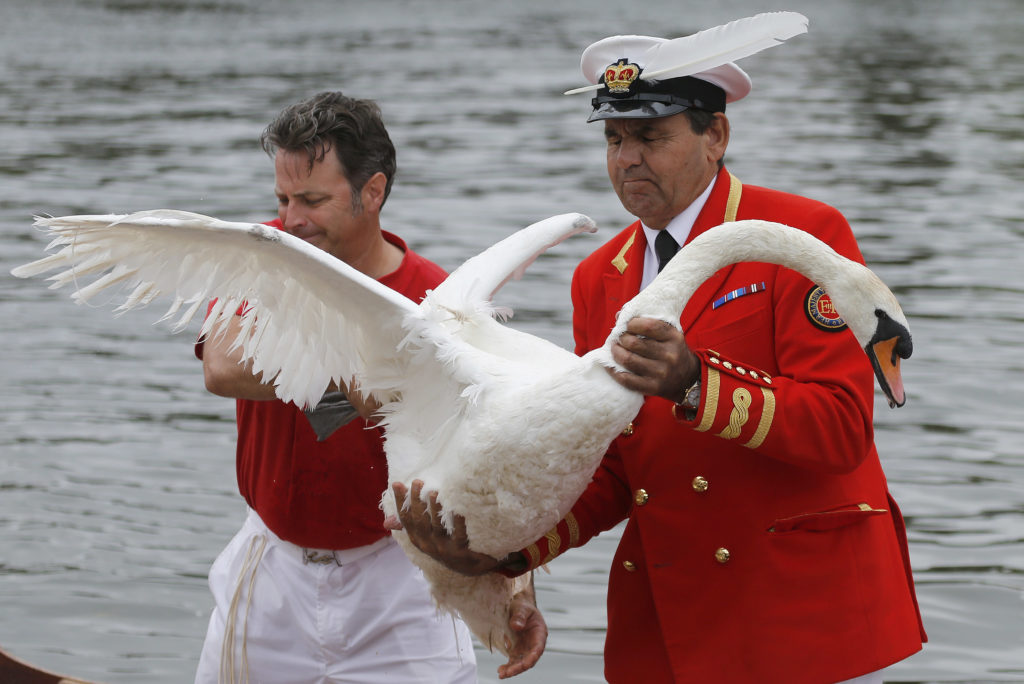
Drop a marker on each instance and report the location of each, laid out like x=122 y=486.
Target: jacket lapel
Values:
x=622 y=278
x=722 y=206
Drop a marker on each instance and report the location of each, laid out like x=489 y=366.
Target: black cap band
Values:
x=658 y=98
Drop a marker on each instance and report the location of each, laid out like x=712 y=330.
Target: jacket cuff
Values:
x=736 y=402
x=559 y=539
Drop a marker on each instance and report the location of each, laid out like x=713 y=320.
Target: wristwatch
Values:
x=690 y=402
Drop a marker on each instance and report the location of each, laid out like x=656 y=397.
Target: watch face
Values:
x=692 y=397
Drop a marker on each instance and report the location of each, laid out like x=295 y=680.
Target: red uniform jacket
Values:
x=762 y=543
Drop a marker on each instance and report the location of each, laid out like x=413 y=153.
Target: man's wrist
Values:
x=513 y=563
x=690 y=402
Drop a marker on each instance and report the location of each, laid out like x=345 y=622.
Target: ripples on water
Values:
x=116 y=477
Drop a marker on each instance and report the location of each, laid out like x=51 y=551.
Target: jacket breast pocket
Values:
x=824 y=521
x=724 y=334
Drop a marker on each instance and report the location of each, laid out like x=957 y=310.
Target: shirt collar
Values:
x=679 y=228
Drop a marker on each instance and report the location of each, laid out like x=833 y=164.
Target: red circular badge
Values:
x=821 y=312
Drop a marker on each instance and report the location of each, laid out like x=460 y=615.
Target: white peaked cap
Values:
x=647 y=76
x=642 y=50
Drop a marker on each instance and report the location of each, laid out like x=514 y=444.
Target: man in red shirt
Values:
x=313 y=588
x=761 y=542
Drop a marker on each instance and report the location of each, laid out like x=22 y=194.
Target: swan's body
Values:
x=506 y=427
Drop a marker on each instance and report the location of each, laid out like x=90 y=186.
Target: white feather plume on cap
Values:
x=707 y=55
x=596 y=58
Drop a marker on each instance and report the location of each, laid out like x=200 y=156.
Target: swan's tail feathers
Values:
x=484 y=602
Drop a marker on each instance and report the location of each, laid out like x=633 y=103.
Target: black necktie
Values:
x=665 y=247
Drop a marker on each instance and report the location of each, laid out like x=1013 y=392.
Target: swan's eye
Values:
x=889 y=329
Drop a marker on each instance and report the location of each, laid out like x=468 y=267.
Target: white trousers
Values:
x=360 y=615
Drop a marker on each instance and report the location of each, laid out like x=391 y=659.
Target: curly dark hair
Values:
x=353 y=128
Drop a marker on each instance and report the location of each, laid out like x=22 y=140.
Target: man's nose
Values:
x=628 y=154
x=292 y=216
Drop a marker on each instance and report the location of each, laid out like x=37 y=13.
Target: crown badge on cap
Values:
x=620 y=76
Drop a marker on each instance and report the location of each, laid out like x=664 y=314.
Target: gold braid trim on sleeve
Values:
x=532 y=556
x=741 y=400
x=554 y=543
x=574 y=530
x=765 y=424
x=710 y=401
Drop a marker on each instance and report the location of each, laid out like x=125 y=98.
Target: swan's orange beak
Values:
x=890 y=343
x=887 y=369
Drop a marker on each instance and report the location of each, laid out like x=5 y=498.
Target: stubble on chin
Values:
x=636 y=203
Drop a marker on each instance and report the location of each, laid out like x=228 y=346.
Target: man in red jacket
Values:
x=761 y=542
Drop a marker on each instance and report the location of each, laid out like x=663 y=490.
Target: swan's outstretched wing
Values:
x=479 y=278
x=310 y=316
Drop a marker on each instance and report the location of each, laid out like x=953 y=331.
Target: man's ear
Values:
x=718 y=136
x=372 y=194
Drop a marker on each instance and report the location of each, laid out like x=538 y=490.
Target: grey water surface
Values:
x=116 y=467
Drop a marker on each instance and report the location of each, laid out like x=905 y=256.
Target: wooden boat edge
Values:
x=16 y=671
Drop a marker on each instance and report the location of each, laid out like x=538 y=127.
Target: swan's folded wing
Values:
x=310 y=317
x=475 y=282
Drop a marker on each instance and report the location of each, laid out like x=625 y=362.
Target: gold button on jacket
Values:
x=699 y=484
x=629 y=565
x=640 y=497
x=722 y=555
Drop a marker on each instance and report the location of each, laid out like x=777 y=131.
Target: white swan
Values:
x=506 y=427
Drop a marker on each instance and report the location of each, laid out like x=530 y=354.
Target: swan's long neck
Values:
x=863 y=301
x=727 y=244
